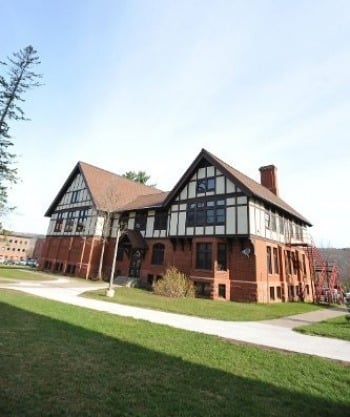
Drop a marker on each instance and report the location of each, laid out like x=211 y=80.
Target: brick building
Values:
x=235 y=238
x=16 y=247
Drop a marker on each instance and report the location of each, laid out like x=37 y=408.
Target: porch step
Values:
x=124 y=281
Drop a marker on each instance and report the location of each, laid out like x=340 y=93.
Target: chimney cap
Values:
x=268 y=167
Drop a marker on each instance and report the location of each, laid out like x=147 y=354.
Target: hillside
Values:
x=341 y=257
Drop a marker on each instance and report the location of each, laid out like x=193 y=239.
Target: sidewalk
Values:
x=273 y=333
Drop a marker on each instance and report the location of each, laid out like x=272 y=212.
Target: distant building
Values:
x=235 y=238
x=16 y=247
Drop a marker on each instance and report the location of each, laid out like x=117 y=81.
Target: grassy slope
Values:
x=14 y=273
x=204 y=308
x=61 y=360
x=338 y=327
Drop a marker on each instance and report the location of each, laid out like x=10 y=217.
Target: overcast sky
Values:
x=145 y=85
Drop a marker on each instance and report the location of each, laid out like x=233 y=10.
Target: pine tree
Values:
x=18 y=79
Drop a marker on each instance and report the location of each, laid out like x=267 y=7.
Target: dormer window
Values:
x=205 y=185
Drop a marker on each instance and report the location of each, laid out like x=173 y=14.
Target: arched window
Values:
x=158 y=254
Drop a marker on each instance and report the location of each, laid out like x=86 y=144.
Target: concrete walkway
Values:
x=272 y=333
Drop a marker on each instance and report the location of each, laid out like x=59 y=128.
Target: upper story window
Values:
x=69 y=222
x=140 y=221
x=282 y=225
x=82 y=219
x=161 y=220
x=59 y=223
x=206 y=213
x=205 y=185
x=75 y=196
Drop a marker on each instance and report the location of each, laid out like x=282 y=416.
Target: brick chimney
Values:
x=268 y=178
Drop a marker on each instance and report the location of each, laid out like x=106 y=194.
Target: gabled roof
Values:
x=109 y=191
x=246 y=184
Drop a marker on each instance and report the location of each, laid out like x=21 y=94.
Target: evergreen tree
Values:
x=18 y=79
x=140 y=176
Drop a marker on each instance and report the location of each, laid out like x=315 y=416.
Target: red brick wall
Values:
x=246 y=278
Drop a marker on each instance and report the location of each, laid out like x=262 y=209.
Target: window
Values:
x=222 y=290
x=304 y=264
x=59 y=222
x=273 y=222
x=82 y=220
x=222 y=257
x=150 y=279
x=70 y=269
x=158 y=254
x=268 y=259
x=161 y=220
x=288 y=262
x=75 y=196
x=282 y=225
x=58 y=267
x=206 y=185
x=140 y=221
x=275 y=261
x=69 y=222
x=203 y=289
x=203 y=259
x=279 y=292
x=272 y=293
x=206 y=213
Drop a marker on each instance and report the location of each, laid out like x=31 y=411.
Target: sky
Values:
x=146 y=84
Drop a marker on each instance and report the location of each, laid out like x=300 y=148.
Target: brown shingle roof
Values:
x=147 y=201
x=108 y=191
x=259 y=190
x=249 y=186
x=111 y=191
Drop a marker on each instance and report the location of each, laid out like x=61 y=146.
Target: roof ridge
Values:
x=81 y=163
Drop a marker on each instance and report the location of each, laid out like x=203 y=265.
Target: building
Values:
x=18 y=247
x=235 y=238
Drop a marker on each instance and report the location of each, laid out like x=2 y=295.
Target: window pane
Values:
x=210 y=216
x=204 y=257
x=222 y=257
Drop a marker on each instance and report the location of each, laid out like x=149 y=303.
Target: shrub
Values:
x=174 y=284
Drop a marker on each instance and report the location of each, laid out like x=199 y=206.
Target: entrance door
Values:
x=135 y=263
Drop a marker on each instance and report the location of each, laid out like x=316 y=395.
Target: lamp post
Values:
x=120 y=230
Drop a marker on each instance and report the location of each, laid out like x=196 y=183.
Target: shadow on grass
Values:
x=49 y=367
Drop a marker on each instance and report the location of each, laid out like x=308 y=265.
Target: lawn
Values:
x=21 y=274
x=62 y=360
x=338 y=327
x=220 y=310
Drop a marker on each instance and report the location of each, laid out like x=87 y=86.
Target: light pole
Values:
x=120 y=230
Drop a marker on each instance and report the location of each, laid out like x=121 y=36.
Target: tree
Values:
x=13 y=85
x=140 y=176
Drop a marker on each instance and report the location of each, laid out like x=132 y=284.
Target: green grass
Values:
x=20 y=274
x=338 y=327
x=66 y=361
x=220 y=310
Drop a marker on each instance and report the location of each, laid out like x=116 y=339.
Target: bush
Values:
x=174 y=284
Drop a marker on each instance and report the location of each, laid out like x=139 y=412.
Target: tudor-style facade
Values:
x=235 y=238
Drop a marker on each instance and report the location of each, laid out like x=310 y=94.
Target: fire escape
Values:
x=325 y=277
